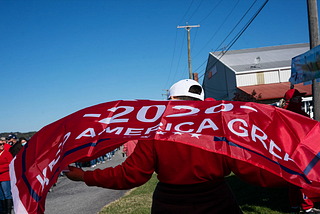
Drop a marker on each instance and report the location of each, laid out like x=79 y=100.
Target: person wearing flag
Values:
x=187 y=182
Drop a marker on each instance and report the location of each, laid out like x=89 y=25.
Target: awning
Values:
x=275 y=90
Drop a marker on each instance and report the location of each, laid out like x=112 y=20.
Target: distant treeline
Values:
x=26 y=135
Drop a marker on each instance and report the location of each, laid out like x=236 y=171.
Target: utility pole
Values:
x=166 y=94
x=188 y=28
x=314 y=41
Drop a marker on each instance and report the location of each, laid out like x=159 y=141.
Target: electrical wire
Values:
x=232 y=41
x=184 y=35
x=185 y=69
x=238 y=22
x=186 y=12
x=230 y=32
x=243 y=29
x=200 y=23
x=210 y=12
x=174 y=50
x=201 y=65
x=175 y=45
x=196 y=32
x=195 y=10
x=217 y=29
x=239 y=34
x=194 y=39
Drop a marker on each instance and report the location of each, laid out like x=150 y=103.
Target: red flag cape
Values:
x=275 y=145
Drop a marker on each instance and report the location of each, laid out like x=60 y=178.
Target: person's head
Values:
x=186 y=89
x=3 y=140
x=293 y=96
x=12 y=139
x=22 y=141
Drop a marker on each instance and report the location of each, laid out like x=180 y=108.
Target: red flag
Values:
x=267 y=140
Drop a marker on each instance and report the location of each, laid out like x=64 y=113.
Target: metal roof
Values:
x=275 y=90
x=261 y=58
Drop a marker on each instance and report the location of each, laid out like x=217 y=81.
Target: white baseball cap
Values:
x=182 y=88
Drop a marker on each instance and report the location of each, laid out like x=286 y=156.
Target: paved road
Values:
x=70 y=197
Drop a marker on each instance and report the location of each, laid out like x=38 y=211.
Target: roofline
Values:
x=248 y=72
x=262 y=70
x=221 y=62
x=267 y=48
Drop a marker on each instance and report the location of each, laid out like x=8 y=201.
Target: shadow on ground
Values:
x=248 y=196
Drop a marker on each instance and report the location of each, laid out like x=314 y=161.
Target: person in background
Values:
x=128 y=147
x=298 y=199
x=5 y=187
x=187 y=182
x=293 y=100
x=17 y=146
x=93 y=163
x=6 y=145
x=100 y=160
x=108 y=155
x=79 y=164
x=12 y=139
x=112 y=152
x=23 y=141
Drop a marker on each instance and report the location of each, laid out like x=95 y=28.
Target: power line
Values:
x=186 y=12
x=231 y=31
x=239 y=21
x=185 y=68
x=217 y=29
x=179 y=56
x=200 y=23
x=175 y=46
x=210 y=12
x=194 y=39
x=188 y=28
x=244 y=28
x=195 y=10
x=239 y=34
x=174 y=50
x=200 y=66
x=195 y=35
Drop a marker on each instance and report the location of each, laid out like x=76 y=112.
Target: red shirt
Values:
x=7 y=146
x=5 y=159
x=175 y=163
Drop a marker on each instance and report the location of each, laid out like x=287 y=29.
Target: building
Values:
x=257 y=74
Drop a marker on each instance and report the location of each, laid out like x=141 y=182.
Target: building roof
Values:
x=262 y=58
x=275 y=90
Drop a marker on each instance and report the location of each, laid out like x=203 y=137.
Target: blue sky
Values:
x=58 y=57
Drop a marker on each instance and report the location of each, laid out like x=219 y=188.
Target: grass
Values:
x=136 y=201
x=251 y=199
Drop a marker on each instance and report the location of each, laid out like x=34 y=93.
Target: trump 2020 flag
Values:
x=279 y=143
